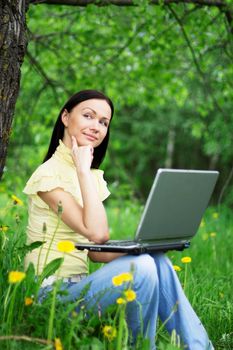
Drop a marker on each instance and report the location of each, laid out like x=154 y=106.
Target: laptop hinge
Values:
x=166 y=240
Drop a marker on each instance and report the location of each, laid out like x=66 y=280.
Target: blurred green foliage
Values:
x=168 y=70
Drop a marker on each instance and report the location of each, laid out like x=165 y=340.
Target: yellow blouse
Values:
x=58 y=171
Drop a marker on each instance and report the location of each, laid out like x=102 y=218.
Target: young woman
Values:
x=70 y=176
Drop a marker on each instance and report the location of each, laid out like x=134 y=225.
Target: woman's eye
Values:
x=103 y=122
x=87 y=116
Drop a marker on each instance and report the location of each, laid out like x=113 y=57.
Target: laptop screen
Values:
x=176 y=204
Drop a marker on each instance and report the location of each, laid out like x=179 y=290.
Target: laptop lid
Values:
x=176 y=204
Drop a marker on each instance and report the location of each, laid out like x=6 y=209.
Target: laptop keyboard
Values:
x=120 y=243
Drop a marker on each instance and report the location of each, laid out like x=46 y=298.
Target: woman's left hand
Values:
x=82 y=156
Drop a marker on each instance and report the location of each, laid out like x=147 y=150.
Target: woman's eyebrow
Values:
x=95 y=112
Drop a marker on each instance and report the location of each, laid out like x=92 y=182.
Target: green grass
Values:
x=208 y=284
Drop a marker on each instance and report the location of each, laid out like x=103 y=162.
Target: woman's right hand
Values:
x=82 y=156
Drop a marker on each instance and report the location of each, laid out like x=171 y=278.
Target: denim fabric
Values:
x=159 y=293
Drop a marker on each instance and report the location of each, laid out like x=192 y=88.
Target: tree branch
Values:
x=50 y=82
x=127 y=44
x=26 y=338
x=179 y=21
x=206 y=83
x=216 y=3
x=229 y=18
x=221 y=4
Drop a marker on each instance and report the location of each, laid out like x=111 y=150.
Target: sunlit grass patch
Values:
x=205 y=269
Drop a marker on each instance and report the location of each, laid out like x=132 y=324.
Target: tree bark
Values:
x=13 y=42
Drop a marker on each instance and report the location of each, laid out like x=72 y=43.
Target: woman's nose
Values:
x=95 y=124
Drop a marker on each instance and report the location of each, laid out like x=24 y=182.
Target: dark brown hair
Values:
x=58 y=131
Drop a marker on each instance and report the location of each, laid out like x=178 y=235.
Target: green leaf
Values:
x=30 y=271
x=28 y=248
x=51 y=268
x=33 y=245
x=31 y=286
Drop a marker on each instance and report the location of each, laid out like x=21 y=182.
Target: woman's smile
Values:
x=90 y=137
x=88 y=122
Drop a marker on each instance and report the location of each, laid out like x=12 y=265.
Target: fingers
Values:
x=74 y=142
x=75 y=145
x=82 y=155
x=81 y=150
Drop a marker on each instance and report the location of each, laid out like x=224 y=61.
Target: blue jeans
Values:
x=158 y=291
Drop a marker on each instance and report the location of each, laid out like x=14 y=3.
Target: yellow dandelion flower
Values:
x=16 y=276
x=176 y=268
x=123 y=277
x=16 y=200
x=65 y=246
x=126 y=277
x=4 y=228
x=120 y=301
x=186 y=259
x=130 y=295
x=202 y=224
x=28 y=301
x=213 y=234
x=215 y=215
x=109 y=332
x=117 y=281
x=58 y=344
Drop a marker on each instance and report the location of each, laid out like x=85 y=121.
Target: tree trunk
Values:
x=13 y=43
x=213 y=161
x=170 y=148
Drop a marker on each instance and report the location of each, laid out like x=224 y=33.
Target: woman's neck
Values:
x=67 y=141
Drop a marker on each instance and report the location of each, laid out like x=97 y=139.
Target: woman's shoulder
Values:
x=47 y=176
x=44 y=169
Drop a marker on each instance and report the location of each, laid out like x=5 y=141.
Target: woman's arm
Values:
x=91 y=219
x=103 y=257
x=77 y=218
x=94 y=214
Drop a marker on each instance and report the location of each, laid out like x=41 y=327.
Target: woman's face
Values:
x=88 y=122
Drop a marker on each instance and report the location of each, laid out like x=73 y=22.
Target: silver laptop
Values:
x=172 y=214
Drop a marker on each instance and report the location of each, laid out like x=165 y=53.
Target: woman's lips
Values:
x=90 y=137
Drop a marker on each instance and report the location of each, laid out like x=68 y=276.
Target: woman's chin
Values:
x=93 y=143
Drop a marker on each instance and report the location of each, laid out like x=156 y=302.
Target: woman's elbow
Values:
x=100 y=237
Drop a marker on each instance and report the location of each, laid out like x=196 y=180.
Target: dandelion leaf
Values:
x=28 y=248
x=51 y=268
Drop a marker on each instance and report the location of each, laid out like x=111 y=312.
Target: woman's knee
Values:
x=164 y=266
x=144 y=269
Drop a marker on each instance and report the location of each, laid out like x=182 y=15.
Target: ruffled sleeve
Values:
x=101 y=184
x=51 y=175
x=47 y=178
